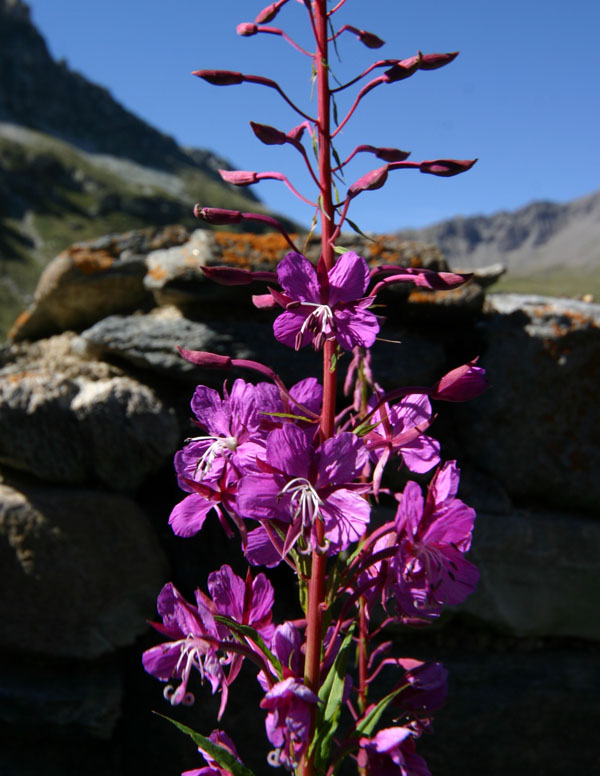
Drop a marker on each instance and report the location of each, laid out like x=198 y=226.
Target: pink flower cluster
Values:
x=297 y=481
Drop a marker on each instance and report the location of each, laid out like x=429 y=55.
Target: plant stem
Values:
x=316 y=586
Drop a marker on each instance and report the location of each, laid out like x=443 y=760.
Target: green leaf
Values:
x=220 y=755
x=367 y=725
x=358 y=230
x=339 y=249
x=287 y=415
x=246 y=630
x=331 y=694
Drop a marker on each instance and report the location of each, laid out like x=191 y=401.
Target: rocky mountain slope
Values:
x=75 y=164
x=541 y=236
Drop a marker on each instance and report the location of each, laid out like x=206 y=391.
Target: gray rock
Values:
x=74 y=427
x=91 y=280
x=536 y=430
x=150 y=341
x=80 y=571
x=540 y=574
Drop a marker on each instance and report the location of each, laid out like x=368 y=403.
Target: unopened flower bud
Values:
x=246 y=29
x=433 y=61
x=374 y=179
x=447 y=167
x=268 y=135
x=239 y=177
x=220 y=77
x=391 y=154
x=404 y=68
x=204 y=359
x=461 y=384
x=367 y=38
x=217 y=215
x=270 y=12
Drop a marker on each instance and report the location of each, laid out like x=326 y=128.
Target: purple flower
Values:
x=195 y=637
x=399 y=431
x=299 y=486
x=333 y=307
x=429 y=568
x=233 y=425
x=192 y=632
x=392 y=753
x=290 y=704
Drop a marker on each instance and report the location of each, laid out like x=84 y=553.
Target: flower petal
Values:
x=348 y=279
x=298 y=278
x=187 y=517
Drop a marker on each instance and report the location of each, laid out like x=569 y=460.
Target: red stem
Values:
x=316 y=585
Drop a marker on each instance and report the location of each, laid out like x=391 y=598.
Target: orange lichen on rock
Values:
x=248 y=250
x=89 y=261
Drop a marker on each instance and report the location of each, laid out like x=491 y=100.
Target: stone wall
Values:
x=94 y=401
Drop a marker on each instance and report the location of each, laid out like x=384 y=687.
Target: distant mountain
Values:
x=75 y=164
x=541 y=236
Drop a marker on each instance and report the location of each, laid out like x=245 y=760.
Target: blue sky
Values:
x=522 y=96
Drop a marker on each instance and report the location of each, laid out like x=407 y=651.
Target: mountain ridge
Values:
x=542 y=235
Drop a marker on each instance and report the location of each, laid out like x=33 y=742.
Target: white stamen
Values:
x=304 y=500
x=219 y=448
x=321 y=319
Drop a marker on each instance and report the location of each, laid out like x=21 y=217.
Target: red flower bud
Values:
x=447 y=167
x=217 y=215
x=433 y=61
x=246 y=29
x=367 y=38
x=270 y=12
x=205 y=359
x=461 y=384
x=220 y=77
x=403 y=68
x=374 y=179
x=268 y=135
x=239 y=177
x=391 y=154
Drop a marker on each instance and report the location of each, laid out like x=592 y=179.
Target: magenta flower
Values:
x=399 y=431
x=392 y=753
x=290 y=704
x=192 y=633
x=432 y=536
x=299 y=485
x=233 y=426
x=330 y=308
x=195 y=637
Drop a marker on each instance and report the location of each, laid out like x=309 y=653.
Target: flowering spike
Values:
x=433 y=61
x=220 y=77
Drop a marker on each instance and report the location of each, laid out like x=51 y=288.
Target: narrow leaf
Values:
x=367 y=725
x=358 y=230
x=331 y=694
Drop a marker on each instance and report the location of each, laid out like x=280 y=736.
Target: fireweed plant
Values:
x=295 y=478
